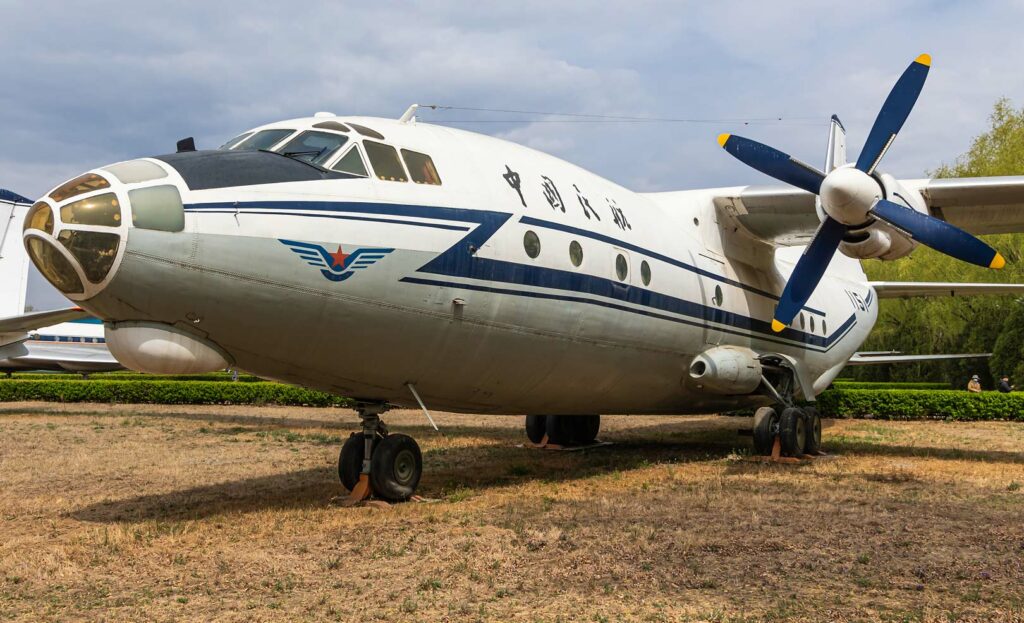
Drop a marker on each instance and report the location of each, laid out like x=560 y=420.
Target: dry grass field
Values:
x=158 y=513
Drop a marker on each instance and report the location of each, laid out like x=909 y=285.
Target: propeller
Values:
x=850 y=197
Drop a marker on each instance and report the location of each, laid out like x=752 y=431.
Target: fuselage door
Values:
x=713 y=293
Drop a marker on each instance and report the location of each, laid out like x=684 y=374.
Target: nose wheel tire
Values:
x=793 y=431
x=766 y=426
x=395 y=468
x=812 y=443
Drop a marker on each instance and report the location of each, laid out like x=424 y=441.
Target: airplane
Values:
x=407 y=264
x=63 y=340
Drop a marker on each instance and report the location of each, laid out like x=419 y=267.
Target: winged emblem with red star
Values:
x=336 y=266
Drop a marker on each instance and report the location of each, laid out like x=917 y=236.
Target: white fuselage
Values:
x=456 y=304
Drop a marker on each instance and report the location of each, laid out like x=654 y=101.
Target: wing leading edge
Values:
x=785 y=216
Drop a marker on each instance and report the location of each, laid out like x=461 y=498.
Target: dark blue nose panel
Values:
x=207 y=169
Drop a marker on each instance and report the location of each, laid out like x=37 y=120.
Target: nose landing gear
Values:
x=376 y=462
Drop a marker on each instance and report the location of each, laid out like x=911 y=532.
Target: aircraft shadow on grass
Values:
x=480 y=468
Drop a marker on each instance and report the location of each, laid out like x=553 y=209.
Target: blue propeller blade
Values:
x=938 y=234
x=773 y=162
x=808 y=272
x=894 y=113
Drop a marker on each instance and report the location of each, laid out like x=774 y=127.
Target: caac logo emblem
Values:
x=337 y=266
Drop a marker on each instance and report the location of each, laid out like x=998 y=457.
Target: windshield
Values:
x=262 y=140
x=313 y=147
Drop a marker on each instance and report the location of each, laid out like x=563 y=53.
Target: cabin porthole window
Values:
x=696 y=221
x=645 y=273
x=803 y=321
x=719 y=297
x=812 y=324
x=824 y=331
x=575 y=253
x=621 y=267
x=531 y=243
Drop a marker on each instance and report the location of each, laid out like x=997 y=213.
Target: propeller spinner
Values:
x=850 y=197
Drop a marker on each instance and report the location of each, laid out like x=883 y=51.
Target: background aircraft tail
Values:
x=835 y=156
x=13 y=259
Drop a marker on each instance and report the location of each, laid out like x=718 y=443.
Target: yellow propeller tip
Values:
x=723 y=138
x=997 y=262
x=777 y=326
x=924 y=59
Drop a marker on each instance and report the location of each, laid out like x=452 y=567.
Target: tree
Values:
x=979 y=324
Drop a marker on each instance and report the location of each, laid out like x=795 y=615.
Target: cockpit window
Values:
x=95 y=251
x=40 y=217
x=365 y=131
x=97 y=210
x=352 y=163
x=264 y=139
x=54 y=266
x=80 y=185
x=337 y=126
x=421 y=168
x=235 y=141
x=313 y=147
x=385 y=161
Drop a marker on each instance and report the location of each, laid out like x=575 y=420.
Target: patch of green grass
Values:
x=460 y=494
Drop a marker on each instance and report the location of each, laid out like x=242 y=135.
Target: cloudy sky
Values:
x=86 y=84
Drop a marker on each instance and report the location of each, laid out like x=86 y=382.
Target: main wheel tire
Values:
x=585 y=429
x=793 y=431
x=396 y=467
x=536 y=428
x=812 y=445
x=560 y=429
x=766 y=426
x=350 y=460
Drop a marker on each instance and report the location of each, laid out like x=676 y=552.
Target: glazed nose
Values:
x=76 y=234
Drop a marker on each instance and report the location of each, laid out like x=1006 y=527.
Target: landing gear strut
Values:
x=374 y=461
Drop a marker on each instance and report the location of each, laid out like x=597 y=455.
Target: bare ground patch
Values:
x=136 y=512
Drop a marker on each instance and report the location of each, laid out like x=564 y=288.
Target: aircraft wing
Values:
x=28 y=322
x=910 y=289
x=867 y=359
x=979 y=205
x=786 y=216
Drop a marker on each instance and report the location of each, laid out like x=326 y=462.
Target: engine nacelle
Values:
x=880 y=240
x=158 y=348
x=730 y=370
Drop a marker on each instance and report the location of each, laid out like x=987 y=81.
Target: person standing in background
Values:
x=1004 y=385
x=974 y=386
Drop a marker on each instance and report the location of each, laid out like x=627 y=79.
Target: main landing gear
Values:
x=376 y=462
x=562 y=430
x=784 y=429
x=796 y=430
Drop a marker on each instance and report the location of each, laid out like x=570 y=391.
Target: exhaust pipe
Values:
x=730 y=370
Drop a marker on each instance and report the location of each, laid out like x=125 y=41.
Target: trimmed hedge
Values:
x=167 y=392
x=889 y=404
x=897 y=404
x=869 y=385
x=130 y=376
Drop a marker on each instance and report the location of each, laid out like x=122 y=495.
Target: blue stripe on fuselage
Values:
x=529 y=220
x=460 y=261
